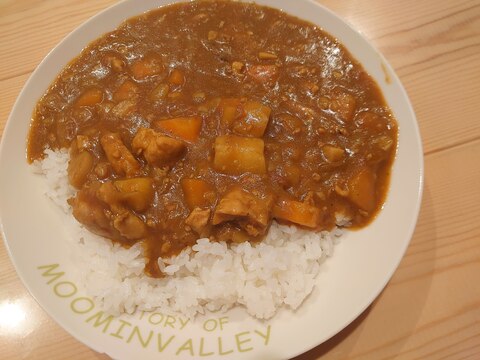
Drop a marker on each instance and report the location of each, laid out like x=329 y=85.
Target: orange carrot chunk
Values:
x=90 y=97
x=197 y=193
x=186 y=128
x=297 y=213
x=176 y=77
x=149 y=65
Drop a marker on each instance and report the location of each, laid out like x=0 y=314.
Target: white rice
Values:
x=279 y=271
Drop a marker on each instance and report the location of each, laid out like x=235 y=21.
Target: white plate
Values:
x=363 y=262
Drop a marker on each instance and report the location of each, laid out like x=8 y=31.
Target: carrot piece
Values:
x=150 y=65
x=126 y=91
x=197 y=193
x=297 y=213
x=90 y=97
x=176 y=77
x=187 y=128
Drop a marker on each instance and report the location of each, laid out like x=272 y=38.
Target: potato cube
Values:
x=137 y=193
x=255 y=119
x=362 y=189
x=236 y=155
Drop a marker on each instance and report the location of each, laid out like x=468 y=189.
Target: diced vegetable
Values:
x=198 y=97
x=187 y=128
x=197 y=193
x=237 y=67
x=236 y=155
x=244 y=117
x=114 y=61
x=266 y=55
x=160 y=92
x=292 y=174
x=79 y=167
x=332 y=153
x=118 y=155
x=137 y=193
x=231 y=110
x=250 y=212
x=362 y=189
x=371 y=121
x=176 y=77
x=90 y=97
x=149 y=65
x=383 y=142
x=212 y=35
x=156 y=148
x=210 y=105
x=129 y=225
x=198 y=220
x=126 y=91
x=255 y=120
x=124 y=108
x=297 y=213
x=344 y=105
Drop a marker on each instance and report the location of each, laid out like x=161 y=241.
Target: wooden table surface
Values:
x=431 y=307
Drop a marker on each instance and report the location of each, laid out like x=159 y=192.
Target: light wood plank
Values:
x=31 y=29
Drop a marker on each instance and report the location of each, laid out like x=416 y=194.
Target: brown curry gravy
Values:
x=270 y=116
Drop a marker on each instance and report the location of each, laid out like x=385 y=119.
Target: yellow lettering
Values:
x=48 y=272
x=222 y=321
x=81 y=309
x=187 y=346
x=265 y=336
x=210 y=325
x=152 y=319
x=220 y=348
x=201 y=353
x=117 y=334
x=69 y=289
x=144 y=343
x=240 y=342
x=183 y=324
x=99 y=321
x=163 y=347
x=170 y=321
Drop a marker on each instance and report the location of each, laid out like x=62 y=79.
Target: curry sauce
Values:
x=211 y=119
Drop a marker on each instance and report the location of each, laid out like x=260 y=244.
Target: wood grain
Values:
x=431 y=307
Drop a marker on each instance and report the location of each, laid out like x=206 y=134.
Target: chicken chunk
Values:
x=135 y=194
x=129 y=225
x=251 y=213
x=92 y=213
x=198 y=220
x=101 y=213
x=156 y=148
x=119 y=156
